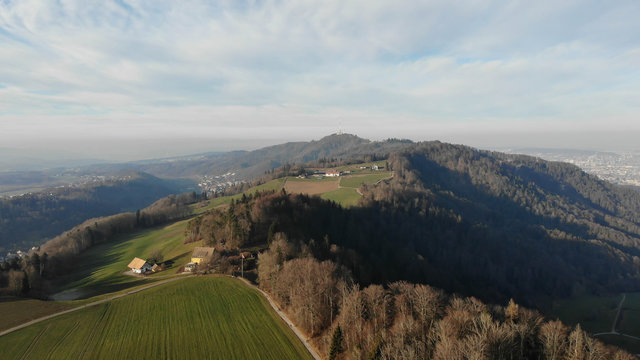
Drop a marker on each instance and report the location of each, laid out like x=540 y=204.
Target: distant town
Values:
x=622 y=169
x=212 y=184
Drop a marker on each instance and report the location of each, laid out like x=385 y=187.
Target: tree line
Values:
x=401 y=320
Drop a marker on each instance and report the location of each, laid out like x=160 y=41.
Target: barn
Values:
x=202 y=254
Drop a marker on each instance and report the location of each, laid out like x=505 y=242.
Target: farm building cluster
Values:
x=200 y=255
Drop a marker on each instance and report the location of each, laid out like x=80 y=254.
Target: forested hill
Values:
x=251 y=164
x=509 y=224
x=28 y=220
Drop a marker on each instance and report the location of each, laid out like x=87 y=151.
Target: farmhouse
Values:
x=202 y=254
x=333 y=173
x=139 y=266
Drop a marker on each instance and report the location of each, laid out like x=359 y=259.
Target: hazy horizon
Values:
x=74 y=152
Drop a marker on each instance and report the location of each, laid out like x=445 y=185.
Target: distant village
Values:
x=214 y=184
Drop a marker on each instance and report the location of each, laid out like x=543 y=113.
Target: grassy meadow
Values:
x=346 y=196
x=197 y=317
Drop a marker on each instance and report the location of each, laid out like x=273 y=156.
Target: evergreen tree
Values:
x=336 y=343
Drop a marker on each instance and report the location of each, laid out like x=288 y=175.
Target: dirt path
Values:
x=286 y=319
x=8 y=331
x=616 y=322
x=617 y=318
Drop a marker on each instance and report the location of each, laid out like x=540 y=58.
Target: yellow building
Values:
x=202 y=254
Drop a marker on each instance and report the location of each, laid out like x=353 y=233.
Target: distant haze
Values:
x=50 y=153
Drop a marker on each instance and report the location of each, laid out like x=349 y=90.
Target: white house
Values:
x=139 y=266
x=332 y=173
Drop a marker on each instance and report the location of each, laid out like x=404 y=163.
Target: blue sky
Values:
x=277 y=70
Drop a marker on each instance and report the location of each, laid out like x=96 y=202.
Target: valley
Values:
x=444 y=215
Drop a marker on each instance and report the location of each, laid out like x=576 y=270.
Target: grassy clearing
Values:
x=594 y=313
x=356 y=181
x=201 y=317
x=346 y=196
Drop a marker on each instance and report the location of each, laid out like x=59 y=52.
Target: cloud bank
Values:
x=301 y=69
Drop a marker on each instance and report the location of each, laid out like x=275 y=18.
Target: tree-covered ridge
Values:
x=485 y=224
x=30 y=219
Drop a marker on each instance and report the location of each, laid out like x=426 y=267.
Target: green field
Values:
x=630 y=319
x=356 y=181
x=346 y=196
x=595 y=314
x=312 y=179
x=199 y=318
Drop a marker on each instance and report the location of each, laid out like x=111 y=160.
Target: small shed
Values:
x=155 y=267
x=190 y=267
x=139 y=266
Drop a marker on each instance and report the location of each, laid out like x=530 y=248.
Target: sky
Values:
x=126 y=79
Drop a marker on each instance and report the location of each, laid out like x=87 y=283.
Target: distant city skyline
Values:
x=128 y=80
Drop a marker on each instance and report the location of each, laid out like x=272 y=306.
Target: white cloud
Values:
x=109 y=67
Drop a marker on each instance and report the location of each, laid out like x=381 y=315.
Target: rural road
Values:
x=8 y=331
x=286 y=319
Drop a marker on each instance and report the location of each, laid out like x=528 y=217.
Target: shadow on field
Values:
x=92 y=291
